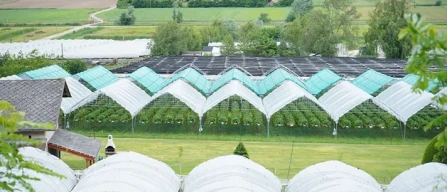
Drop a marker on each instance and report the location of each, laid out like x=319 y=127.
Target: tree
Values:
x=168 y=40
x=74 y=66
x=15 y=64
x=291 y=36
x=299 y=7
x=193 y=39
x=317 y=37
x=266 y=47
x=12 y=162
x=177 y=14
x=127 y=18
x=341 y=17
x=230 y=26
x=240 y=150
x=385 y=23
x=264 y=17
x=228 y=47
x=249 y=37
x=427 y=60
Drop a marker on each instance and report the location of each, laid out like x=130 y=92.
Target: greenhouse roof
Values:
x=231 y=173
x=128 y=95
x=98 y=77
x=321 y=81
x=185 y=93
x=426 y=177
x=234 y=74
x=12 y=77
x=277 y=77
x=148 y=78
x=128 y=171
x=412 y=80
x=78 y=93
x=50 y=72
x=342 y=98
x=193 y=77
x=233 y=88
x=333 y=176
x=400 y=100
x=257 y=66
x=283 y=95
x=47 y=183
x=371 y=81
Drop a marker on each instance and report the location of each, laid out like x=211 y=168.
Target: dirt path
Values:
x=96 y=20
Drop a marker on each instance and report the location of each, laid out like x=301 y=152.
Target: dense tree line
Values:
x=227 y=3
x=122 y=4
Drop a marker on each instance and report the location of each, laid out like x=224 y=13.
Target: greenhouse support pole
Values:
x=200 y=125
x=133 y=125
x=268 y=127
x=405 y=130
x=65 y=121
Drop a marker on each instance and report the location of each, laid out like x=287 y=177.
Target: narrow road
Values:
x=96 y=20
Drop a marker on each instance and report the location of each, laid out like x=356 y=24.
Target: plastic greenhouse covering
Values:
x=128 y=171
x=283 y=95
x=234 y=74
x=148 y=78
x=426 y=177
x=412 y=79
x=192 y=76
x=128 y=95
x=342 y=98
x=12 y=77
x=50 y=72
x=443 y=92
x=321 y=81
x=185 y=93
x=230 y=89
x=81 y=48
x=332 y=176
x=371 y=81
x=47 y=183
x=98 y=77
x=400 y=100
x=231 y=173
x=277 y=77
x=78 y=94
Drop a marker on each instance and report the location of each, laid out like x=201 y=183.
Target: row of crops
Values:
x=238 y=112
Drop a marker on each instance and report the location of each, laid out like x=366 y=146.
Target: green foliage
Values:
x=254 y=43
x=427 y=61
x=438 y=3
x=228 y=47
x=151 y=3
x=177 y=14
x=168 y=40
x=285 y=3
x=74 y=66
x=430 y=151
x=385 y=23
x=227 y=3
x=241 y=150
x=80 y=33
x=318 y=36
x=264 y=17
x=15 y=64
x=123 y=4
x=127 y=18
x=299 y=7
x=13 y=162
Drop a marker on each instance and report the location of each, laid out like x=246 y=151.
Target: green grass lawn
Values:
x=21 y=34
x=128 y=32
x=383 y=162
x=45 y=15
x=146 y=15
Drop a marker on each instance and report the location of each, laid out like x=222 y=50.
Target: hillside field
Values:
x=45 y=15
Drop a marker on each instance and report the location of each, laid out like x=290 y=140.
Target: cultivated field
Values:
x=60 y=4
x=198 y=15
x=22 y=34
x=45 y=15
x=383 y=161
x=112 y=32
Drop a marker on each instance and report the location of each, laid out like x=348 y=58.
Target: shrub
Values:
x=241 y=150
x=264 y=17
x=127 y=18
x=438 y=3
x=74 y=66
x=433 y=154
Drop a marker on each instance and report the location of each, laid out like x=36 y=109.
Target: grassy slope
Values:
x=246 y=14
x=37 y=33
x=44 y=15
x=383 y=162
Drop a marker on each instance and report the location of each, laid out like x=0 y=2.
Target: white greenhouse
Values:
x=231 y=173
x=427 y=177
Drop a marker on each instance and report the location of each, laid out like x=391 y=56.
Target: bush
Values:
x=152 y=3
x=264 y=17
x=74 y=66
x=438 y=3
x=433 y=154
x=127 y=18
x=285 y=3
x=240 y=150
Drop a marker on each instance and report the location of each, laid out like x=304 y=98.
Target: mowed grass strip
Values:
x=247 y=14
x=383 y=162
x=45 y=15
x=21 y=34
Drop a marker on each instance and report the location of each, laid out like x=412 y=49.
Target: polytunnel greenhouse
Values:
x=231 y=173
x=128 y=171
x=47 y=183
x=196 y=98
x=332 y=176
x=426 y=177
